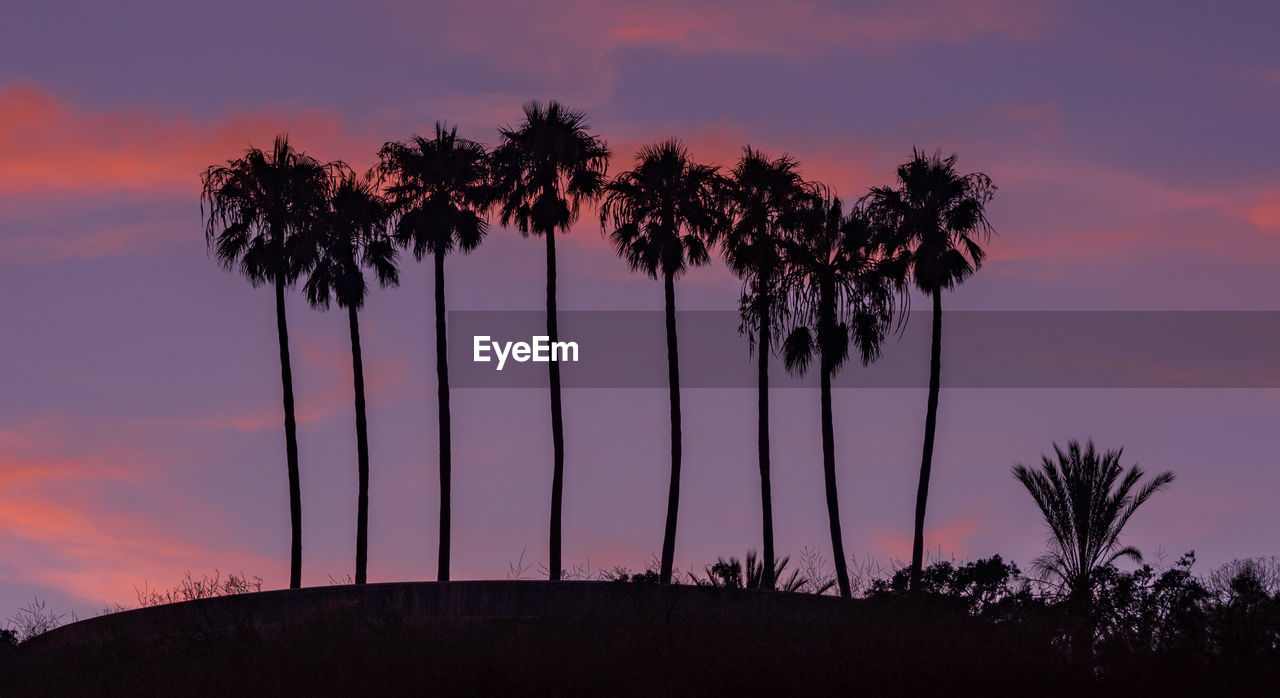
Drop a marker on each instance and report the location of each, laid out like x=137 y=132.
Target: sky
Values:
x=140 y=423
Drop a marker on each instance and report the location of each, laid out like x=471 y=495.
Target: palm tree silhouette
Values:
x=1086 y=498
x=439 y=190
x=839 y=287
x=544 y=170
x=352 y=236
x=257 y=208
x=939 y=217
x=763 y=196
x=663 y=212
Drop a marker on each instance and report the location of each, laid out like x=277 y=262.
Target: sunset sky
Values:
x=1134 y=146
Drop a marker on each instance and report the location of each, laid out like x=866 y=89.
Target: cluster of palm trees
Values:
x=820 y=278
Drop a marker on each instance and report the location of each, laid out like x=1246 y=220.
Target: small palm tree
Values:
x=663 y=212
x=351 y=238
x=764 y=194
x=439 y=191
x=840 y=288
x=1086 y=498
x=257 y=210
x=938 y=216
x=544 y=170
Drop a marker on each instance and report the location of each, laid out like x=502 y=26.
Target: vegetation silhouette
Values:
x=544 y=170
x=1086 y=498
x=440 y=191
x=764 y=196
x=663 y=213
x=840 y=288
x=938 y=217
x=258 y=210
x=351 y=236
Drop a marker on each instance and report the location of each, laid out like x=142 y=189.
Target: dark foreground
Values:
x=562 y=638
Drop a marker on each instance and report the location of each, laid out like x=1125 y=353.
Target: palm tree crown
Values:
x=547 y=167
x=764 y=198
x=1086 y=498
x=840 y=285
x=350 y=238
x=439 y=190
x=664 y=211
x=938 y=215
x=257 y=206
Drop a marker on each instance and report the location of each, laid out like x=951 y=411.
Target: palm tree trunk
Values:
x=673 y=385
x=291 y=444
x=762 y=436
x=446 y=448
x=930 y=425
x=557 y=419
x=829 y=473
x=362 y=451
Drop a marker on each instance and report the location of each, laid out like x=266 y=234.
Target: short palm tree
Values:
x=938 y=216
x=439 y=192
x=544 y=170
x=257 y=210
x=662 y=213
x=841 y=290
x=1086 y=498
x=764 y=194
x=353 y=237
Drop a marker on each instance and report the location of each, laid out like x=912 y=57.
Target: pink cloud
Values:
x=950 y=538
x=52 y=147
x=1265 y=215
x=51 y=502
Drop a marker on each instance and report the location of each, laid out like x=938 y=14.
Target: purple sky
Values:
x=140 y=427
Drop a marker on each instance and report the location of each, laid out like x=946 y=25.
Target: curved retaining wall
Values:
x=407 y=601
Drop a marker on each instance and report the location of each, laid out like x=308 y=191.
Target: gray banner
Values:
x=980 y=349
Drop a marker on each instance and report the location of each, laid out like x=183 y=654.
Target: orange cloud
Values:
x=949 y=538
x=51 y=147
x=53 y=519
x=1266 y=214
x=106 y=242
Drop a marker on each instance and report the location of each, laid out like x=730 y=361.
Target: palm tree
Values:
x=351 y=238
x=1086 y=498
x=663 y=212
x=439 y=190
x=257 y=208
x=545 y=169
x=763 y=196
x=939 y=217
x=840 y=287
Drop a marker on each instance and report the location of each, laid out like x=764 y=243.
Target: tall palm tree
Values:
x=663 y=212
x=545 y=169
x=840 y=288
x=351 y=238
x=1086 y=498
x=939 y=217
x=256 y=209
x=764 y=194
x=439 y=191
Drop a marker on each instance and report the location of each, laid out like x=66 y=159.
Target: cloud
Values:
x=58 y=515
x=796 y=28
x=950 y=538
x=54 y=148
x=1265 y=215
